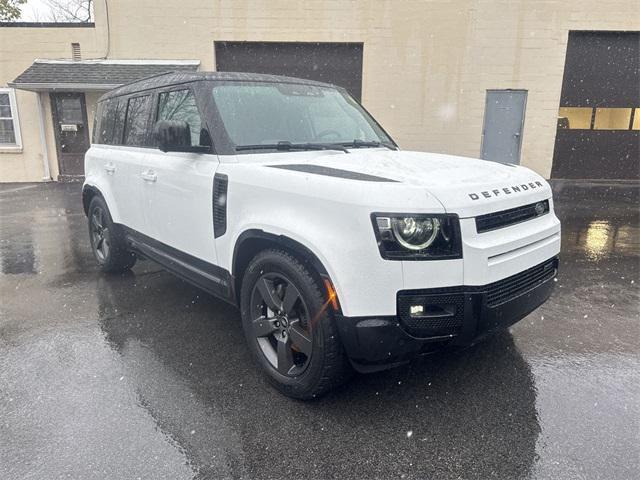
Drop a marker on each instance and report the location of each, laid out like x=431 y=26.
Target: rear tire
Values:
x=107 y=240
x=289 y=326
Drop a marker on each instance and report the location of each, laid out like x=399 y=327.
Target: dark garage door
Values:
x=598 y=135
x=337 y=63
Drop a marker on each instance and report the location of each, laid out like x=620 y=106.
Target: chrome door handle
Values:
x=110 y=168
x=149 y=176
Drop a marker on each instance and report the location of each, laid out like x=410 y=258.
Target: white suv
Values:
x=285 y=197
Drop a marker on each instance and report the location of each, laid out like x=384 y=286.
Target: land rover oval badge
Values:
x=540 y=208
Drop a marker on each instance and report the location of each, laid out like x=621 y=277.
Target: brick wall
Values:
x=18 y=48
x=427 y=63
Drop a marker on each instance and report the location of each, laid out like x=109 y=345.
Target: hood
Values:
x=465 y=186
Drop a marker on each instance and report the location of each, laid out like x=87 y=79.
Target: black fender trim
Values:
x=86 y=190
x=280 y=239
x=240 y=259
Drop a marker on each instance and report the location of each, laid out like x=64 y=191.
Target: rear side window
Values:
x=111 y=122
x=181 y=105
x=137 y=119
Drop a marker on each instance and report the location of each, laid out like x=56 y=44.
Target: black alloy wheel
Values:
x=107 y=239
x=281 y=324
x=289 y=325
x=100 y=235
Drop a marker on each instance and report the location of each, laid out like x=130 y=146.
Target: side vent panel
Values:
x=220 y=184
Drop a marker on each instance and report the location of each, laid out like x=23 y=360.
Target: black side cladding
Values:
x=220 y=185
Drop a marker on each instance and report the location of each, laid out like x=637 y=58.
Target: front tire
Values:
x=107 y=240
x=289 y=326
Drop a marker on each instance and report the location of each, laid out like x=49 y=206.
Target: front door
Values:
x=503 y=124
x=180 y=197
x=71 y=131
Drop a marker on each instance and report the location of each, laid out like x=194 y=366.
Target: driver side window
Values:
x=181 y=105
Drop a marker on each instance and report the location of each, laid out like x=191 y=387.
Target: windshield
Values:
x=268 y=113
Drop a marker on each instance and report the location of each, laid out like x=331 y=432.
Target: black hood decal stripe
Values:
x=333 y=172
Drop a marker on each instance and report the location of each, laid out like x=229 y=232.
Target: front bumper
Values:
x=453 y=316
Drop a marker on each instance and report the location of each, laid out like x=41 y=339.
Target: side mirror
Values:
x=172 y=136
x=175 y=136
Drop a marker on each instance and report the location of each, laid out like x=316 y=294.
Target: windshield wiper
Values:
x=357 y=143
x=286 y=146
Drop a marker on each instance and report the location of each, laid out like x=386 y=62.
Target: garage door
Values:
x=598 y=134
x=337 y=63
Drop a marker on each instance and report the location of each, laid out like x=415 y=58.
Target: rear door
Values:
x=132 y=180
x=181 y=199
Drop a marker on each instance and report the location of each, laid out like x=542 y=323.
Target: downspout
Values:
x=43 y=140
x=106 y=11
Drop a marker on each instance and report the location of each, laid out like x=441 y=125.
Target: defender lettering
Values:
x=507 y=190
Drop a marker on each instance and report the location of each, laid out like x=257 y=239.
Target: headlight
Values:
x=415 y=233
x=417 y=237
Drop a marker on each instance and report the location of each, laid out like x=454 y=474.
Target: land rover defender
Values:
x=286 y=198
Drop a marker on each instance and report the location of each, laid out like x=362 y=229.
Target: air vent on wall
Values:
x=75 y=52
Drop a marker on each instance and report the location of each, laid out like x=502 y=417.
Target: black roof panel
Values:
x=173 y=78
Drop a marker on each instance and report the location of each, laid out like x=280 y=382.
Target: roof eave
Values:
x=67 y=87
x=102 y=61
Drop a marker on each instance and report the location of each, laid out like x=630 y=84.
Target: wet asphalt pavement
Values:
x=145 y=376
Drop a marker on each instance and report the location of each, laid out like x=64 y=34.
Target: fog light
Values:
x=416 y=310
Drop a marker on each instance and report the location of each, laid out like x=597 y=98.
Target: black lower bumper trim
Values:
x=376 y=342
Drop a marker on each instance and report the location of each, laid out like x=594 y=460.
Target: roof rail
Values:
x=115 y=92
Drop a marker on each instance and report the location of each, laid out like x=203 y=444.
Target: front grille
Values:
x=508 y=288
x=492 y=221
x=431 y=326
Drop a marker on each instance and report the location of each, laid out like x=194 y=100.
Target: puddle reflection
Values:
x=602 y=238
x=17 y=255
x=48 y=241
x=598 y=222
